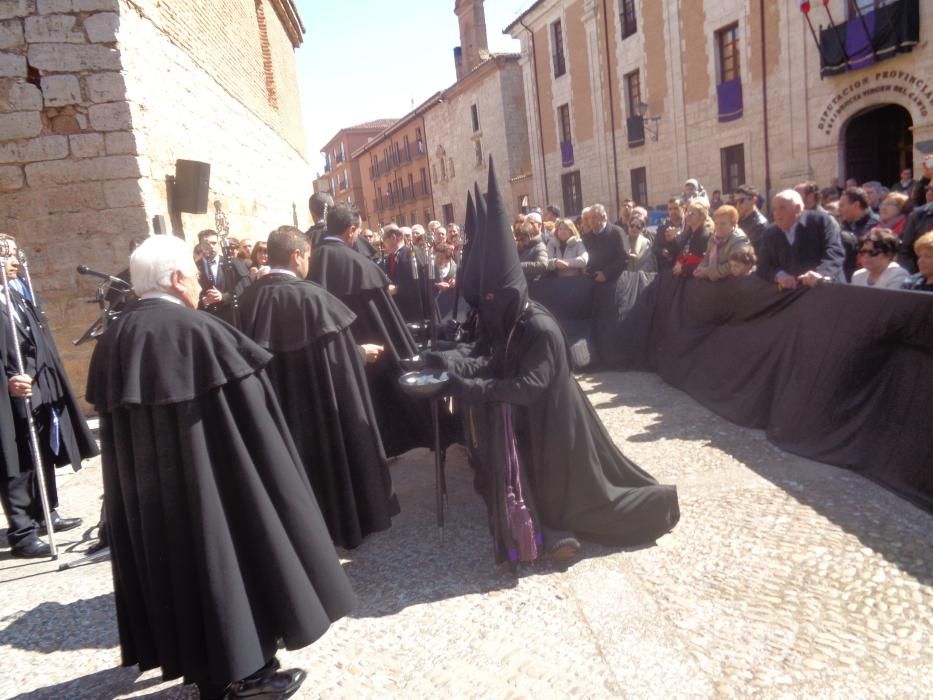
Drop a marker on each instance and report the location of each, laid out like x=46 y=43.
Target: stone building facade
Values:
x=394 y=167
x=99 y=98
x=345 y=182
x=481 y=115
x=631 y=97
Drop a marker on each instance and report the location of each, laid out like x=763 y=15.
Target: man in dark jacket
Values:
x=918 y=223
x=752 y=222
x=855 y=212
x=605 y=246
x=223 y=278
x=61 y=430
x=800 y=247
x=406 y=268
x=318 y=204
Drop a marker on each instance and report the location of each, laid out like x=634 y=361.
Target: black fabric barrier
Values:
x=839 y=374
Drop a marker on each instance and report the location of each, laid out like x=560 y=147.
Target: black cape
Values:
x=579 y=480
x=218 y=547
x=320 y=380
x=51 y=389
x=404 y=423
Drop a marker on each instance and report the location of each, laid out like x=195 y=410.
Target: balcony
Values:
x=864 y=40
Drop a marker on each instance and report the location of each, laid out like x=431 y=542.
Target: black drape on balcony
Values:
x=636 y=130
x=877 y=35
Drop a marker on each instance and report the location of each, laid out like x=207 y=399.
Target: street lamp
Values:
x=651 y=123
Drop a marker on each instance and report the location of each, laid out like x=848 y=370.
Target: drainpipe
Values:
x=764 y=98
x=612 y=109
x=534 y=67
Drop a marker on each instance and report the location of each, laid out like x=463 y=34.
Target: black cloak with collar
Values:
x=218 y=547
x=319 y=377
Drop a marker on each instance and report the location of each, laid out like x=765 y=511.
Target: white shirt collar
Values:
x=282 y=271
x=164 y=296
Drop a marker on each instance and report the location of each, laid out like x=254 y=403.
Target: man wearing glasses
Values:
x=752 y=222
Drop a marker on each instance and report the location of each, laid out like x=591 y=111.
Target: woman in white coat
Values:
x=565 y=251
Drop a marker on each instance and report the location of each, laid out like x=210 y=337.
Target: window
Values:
x=424 y=182
x=450 y=167
x=478 y=149
x=573 y=193
x=727 y=51
x=407 y=150
x=560 y=64
x=419 y=142
x=475 y=115
x=563 y=120
x=627 y=16
x=443 y=168
x=632 y=92
x=427 y=215
x=732 y=160
x=640 y=186
x=448 y=214
x=434 y=173
x=401 y=219
x=411 y=186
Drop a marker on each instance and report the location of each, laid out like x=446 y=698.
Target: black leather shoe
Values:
x=60 y=524
x=273 y=686
x=31 y=549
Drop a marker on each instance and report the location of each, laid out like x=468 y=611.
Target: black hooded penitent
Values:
x=573 y=476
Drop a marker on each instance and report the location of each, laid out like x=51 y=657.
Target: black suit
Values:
x=918 y=223
x=817 y=246
x=754 y=226
x=410 y=296
x=62 y=434
x=231 y=280
x=607 y=252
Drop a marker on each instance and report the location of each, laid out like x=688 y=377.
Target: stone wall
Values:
x=98 y=98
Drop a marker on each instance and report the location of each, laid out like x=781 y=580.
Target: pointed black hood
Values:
x=503 y=290
x=468 y=274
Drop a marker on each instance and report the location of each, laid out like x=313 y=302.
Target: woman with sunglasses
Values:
x=876 y=255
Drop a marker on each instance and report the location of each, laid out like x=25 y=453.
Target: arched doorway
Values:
x=878 y=144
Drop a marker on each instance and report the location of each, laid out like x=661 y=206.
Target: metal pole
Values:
x=439 y=482
x=6 y=253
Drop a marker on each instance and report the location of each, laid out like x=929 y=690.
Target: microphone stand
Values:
x=6 y=253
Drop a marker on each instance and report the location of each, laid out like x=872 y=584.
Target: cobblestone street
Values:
x=784 y=578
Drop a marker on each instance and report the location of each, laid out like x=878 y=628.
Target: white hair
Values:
x=406 y=230
x=154 y=261
x=417 y=230
x=792 y=196
x=640 y=212
x=600 y=211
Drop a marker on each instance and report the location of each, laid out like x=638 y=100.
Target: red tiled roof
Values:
x=374 y=124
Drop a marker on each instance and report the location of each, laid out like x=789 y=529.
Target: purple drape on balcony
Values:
x=566 y=153
x=859 y=37
x=729 y=94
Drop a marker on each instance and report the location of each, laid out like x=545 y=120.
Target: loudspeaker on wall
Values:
x=192 y=186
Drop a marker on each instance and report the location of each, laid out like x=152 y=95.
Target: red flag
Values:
x=805 y=6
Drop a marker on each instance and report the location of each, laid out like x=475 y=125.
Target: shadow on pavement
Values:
x=870 y=521
x=102 y=684
x=412 y=563
x=91 y=624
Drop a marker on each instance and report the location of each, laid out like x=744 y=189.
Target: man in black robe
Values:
x=218 y=547
x=319 y=377
x=61 y=430
x=404 y=422
x=318 y=204
x=223 y=278
x=574 y=480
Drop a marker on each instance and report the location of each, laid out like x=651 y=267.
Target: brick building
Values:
x=482 y=114
x=394 y=169
x=99 y=98
x=630 y=97
x=343 y=172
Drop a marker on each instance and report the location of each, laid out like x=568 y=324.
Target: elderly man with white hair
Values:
x=220 y=553
x=801 y=246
